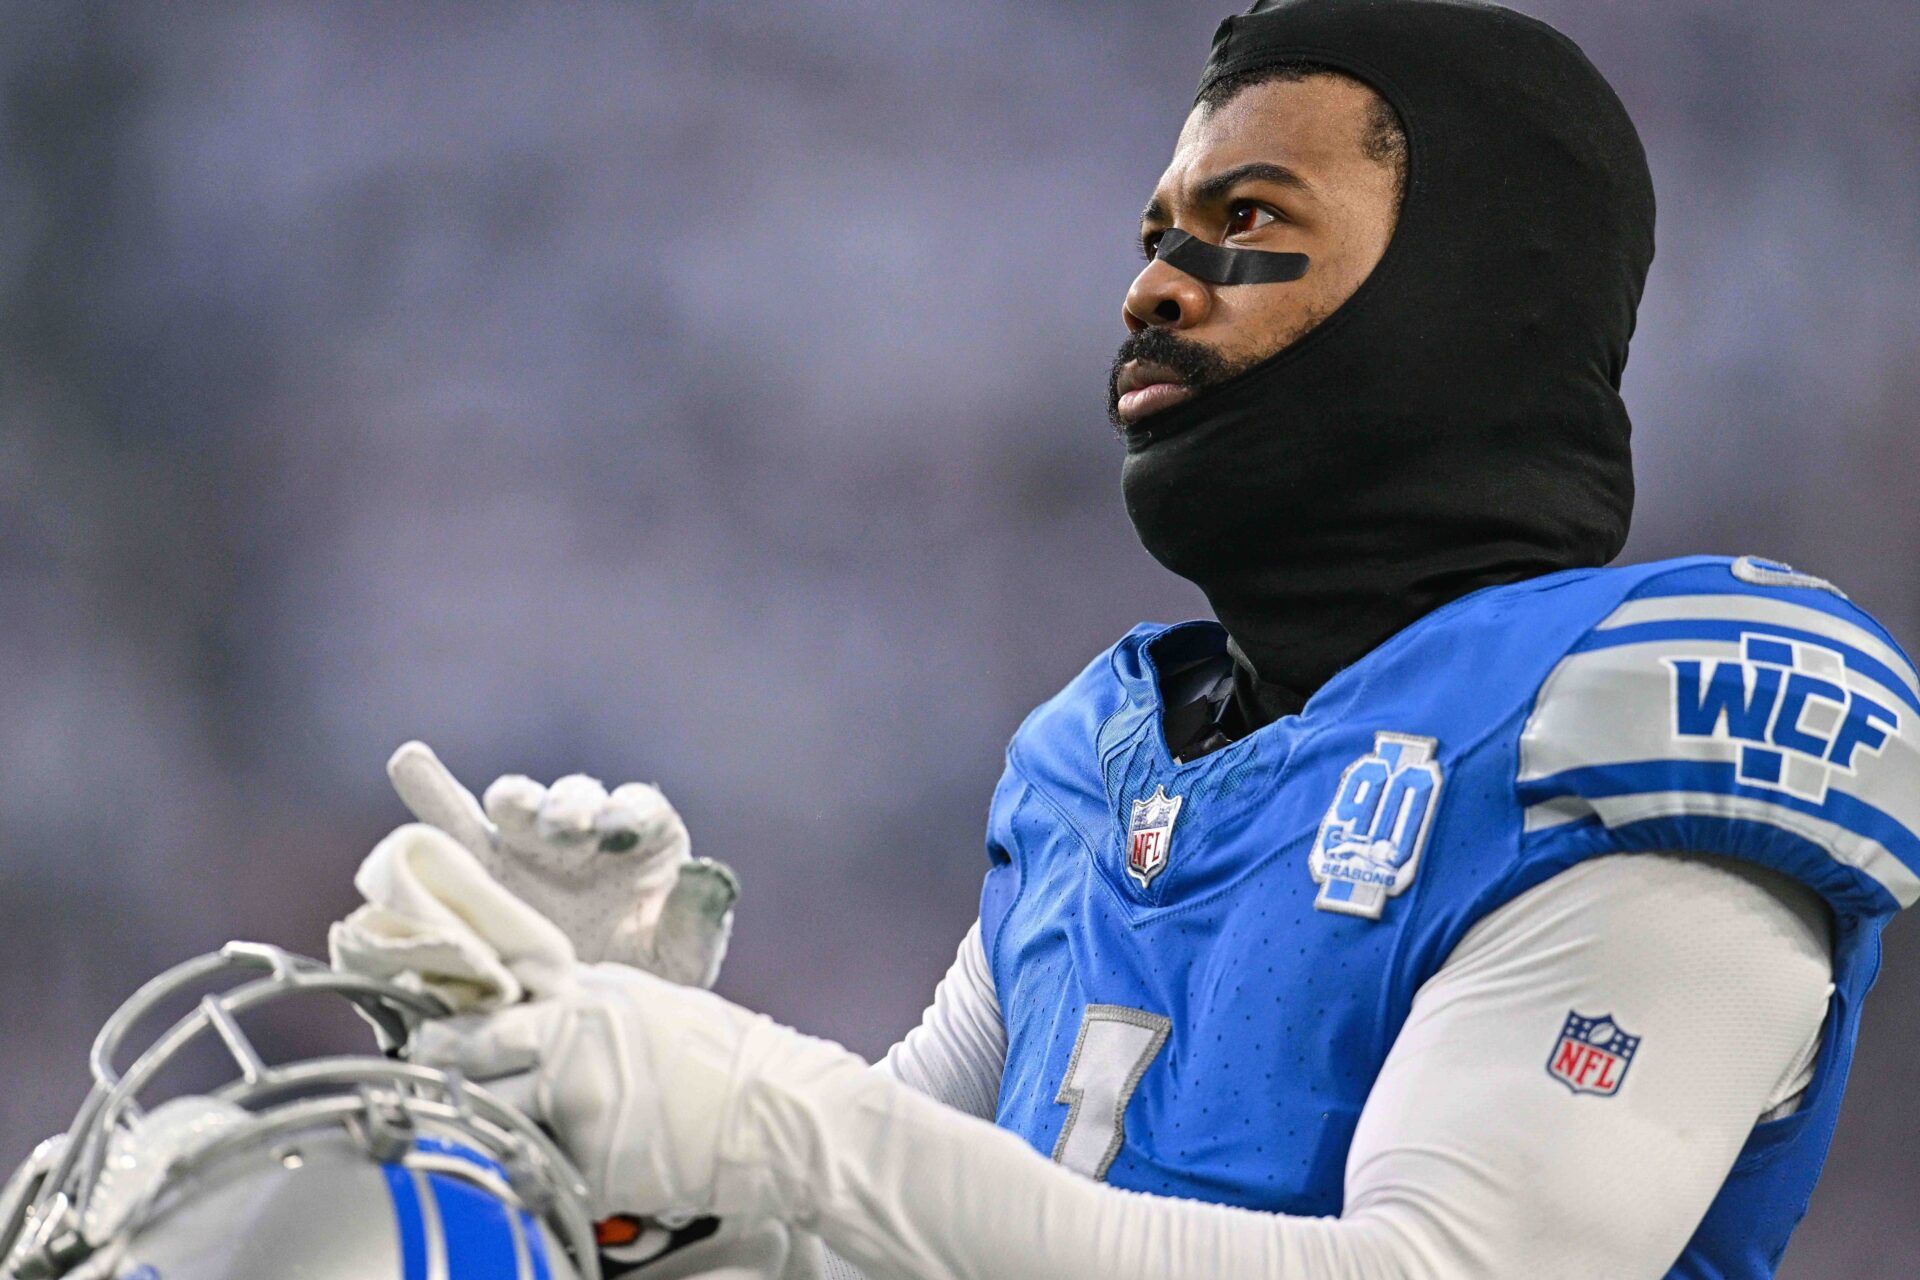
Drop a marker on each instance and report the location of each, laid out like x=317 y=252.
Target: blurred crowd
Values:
x=713 y=394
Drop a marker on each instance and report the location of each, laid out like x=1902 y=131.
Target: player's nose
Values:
x=1163 y=296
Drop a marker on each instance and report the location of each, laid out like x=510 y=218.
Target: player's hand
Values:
x=613 y=870
x=665 y=1096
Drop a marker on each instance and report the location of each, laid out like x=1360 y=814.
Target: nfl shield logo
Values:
x=1592 y=1054
x=1149 y=834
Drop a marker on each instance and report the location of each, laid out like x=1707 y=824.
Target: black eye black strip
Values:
x=1219 y=265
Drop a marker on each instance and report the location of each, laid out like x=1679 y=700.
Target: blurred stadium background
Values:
x=712 y=394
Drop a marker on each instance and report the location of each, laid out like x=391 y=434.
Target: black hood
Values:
x=1457 y=423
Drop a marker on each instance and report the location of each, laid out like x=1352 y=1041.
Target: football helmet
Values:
x=353 y=1167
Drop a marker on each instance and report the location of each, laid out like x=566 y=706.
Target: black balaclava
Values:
x=1457 y=423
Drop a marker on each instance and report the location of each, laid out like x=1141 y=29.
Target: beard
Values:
x=1195 y=364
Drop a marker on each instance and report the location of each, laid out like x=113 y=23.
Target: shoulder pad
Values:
x=1735 y=707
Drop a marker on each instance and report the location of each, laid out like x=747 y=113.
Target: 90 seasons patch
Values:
x=1369 y=844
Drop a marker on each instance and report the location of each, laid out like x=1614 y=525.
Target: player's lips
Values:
x=1146 y=387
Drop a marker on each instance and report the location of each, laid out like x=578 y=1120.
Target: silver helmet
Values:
x=355 y=1167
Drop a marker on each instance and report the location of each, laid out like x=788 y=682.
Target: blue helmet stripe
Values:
x=536 y=1246
x=412 y=1229
x=477 y=1230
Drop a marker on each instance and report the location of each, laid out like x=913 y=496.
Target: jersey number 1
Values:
x=1114 y=1049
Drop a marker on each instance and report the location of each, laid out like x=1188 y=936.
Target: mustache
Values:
x=1195 y=363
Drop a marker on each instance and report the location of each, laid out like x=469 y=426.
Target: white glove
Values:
x=613 y=871
x=671 y=1100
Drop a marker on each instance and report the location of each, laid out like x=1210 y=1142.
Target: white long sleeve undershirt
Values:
x=1469 y=1160
x=957 y=1053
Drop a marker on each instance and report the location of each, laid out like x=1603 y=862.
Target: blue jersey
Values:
x=1202 y=965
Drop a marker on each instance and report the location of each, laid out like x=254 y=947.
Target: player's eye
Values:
x=1150 y=243
x=1244 y=216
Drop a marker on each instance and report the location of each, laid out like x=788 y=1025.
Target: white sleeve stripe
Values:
x=1763 y=609
x=1558 y=812
x=1862 y=853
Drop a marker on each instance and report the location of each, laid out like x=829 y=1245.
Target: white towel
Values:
x=435 y=921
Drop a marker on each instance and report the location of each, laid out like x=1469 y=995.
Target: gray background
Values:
x=712 y=394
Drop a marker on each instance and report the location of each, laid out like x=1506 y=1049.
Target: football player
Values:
x=1454 y=906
